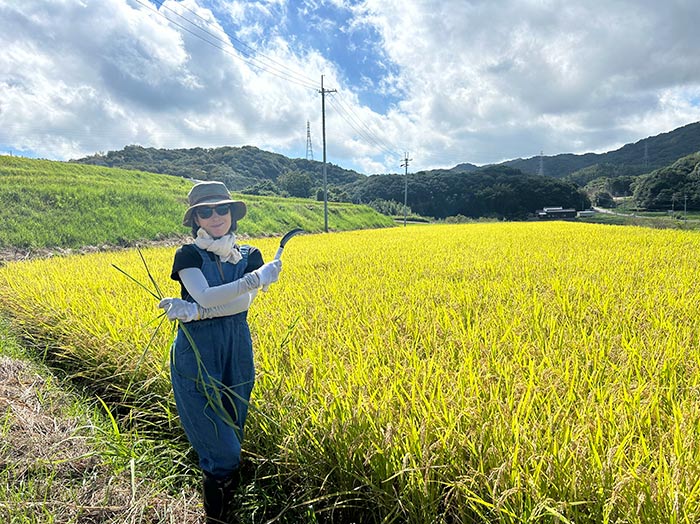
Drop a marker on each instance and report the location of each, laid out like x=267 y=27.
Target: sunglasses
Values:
x=207 y=212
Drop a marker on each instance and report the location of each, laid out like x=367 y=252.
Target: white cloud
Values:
x=532 y=75
x=470 y=80
x=70 y=90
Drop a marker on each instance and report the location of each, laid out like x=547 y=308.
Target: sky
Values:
x=439 y=82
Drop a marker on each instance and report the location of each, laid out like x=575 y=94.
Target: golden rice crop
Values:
x=532 y=372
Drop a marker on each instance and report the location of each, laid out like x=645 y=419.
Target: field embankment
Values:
x=468 y=373
x=61 y=460
x=49 y=204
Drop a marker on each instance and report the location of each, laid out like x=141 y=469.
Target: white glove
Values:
x=269 y=273
x=178 y=309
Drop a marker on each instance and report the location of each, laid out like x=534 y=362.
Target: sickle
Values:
x=284 y=241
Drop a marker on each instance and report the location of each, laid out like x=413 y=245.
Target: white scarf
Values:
x=225 y=247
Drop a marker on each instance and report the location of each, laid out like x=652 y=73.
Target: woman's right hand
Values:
x=178 y=309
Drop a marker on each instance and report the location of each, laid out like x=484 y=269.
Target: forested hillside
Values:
x=238 y=167
x=645 y=155
x=512 y=190
x=466 y=190
x=496 y=191
x=673 y=187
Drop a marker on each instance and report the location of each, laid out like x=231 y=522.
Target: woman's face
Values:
x=212 y=221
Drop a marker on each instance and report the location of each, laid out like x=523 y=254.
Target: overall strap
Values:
x=245 y=250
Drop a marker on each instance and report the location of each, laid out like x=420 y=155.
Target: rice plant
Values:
x=532 y=372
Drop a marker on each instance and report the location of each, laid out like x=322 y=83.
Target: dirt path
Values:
x=9 y=254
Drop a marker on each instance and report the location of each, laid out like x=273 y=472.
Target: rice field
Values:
x=516 y=372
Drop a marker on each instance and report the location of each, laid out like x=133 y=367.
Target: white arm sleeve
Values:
x=198 y=287
x=237 y=305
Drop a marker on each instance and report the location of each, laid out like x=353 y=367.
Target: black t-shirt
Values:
x=189 y=256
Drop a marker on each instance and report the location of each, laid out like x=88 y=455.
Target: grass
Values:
x=518 y=373
x=653 y=222
x=62 y=461
x=533 y=372
x=49 y=204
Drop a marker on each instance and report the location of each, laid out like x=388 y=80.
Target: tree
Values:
x=495 y=191
x=671 y=186
x=621 y=185
x=264 y=187
x=603 y=199
x=389 y=207
x=296 y=183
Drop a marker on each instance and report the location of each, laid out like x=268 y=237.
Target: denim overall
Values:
x=212 y=395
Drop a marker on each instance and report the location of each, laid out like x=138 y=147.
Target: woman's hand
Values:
x=269 y=273
x=178 y=309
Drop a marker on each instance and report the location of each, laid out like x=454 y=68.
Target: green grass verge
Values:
x=58 y=204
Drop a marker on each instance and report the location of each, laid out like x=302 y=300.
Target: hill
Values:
x=238 y=167
x=673 y=187
x=49 y=204
x=466 y=189
x=494 y=191
x=505 y=190
x=242 y=167
x=645 y=155
x=464 y=168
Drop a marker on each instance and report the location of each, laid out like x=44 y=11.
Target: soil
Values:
x=11 y=254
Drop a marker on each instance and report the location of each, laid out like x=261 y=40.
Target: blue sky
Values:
x=447 y=81
x=356 y=50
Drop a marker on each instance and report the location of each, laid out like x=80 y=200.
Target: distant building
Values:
x=586 y=213
x=555 y=213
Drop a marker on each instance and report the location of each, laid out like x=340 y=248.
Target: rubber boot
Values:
x=218 y=498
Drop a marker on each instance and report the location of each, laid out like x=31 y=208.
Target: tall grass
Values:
x=540 y=372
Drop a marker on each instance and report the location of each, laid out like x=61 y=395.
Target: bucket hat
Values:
x=212 y=194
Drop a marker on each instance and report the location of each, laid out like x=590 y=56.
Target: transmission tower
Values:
x=309 y=149
x=541 y=169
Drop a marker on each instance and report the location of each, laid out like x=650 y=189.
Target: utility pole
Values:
x=406 y=160
x=325 y=177
x=685 y=206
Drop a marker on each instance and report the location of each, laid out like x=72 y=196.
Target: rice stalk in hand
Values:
x=215 y=391
x=156 y=294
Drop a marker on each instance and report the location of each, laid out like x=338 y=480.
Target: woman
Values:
x=211 y=367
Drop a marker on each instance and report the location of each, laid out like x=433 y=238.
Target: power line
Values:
x=253 y=53
x=266 y=64
x=288 y=75
x=360 y=127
